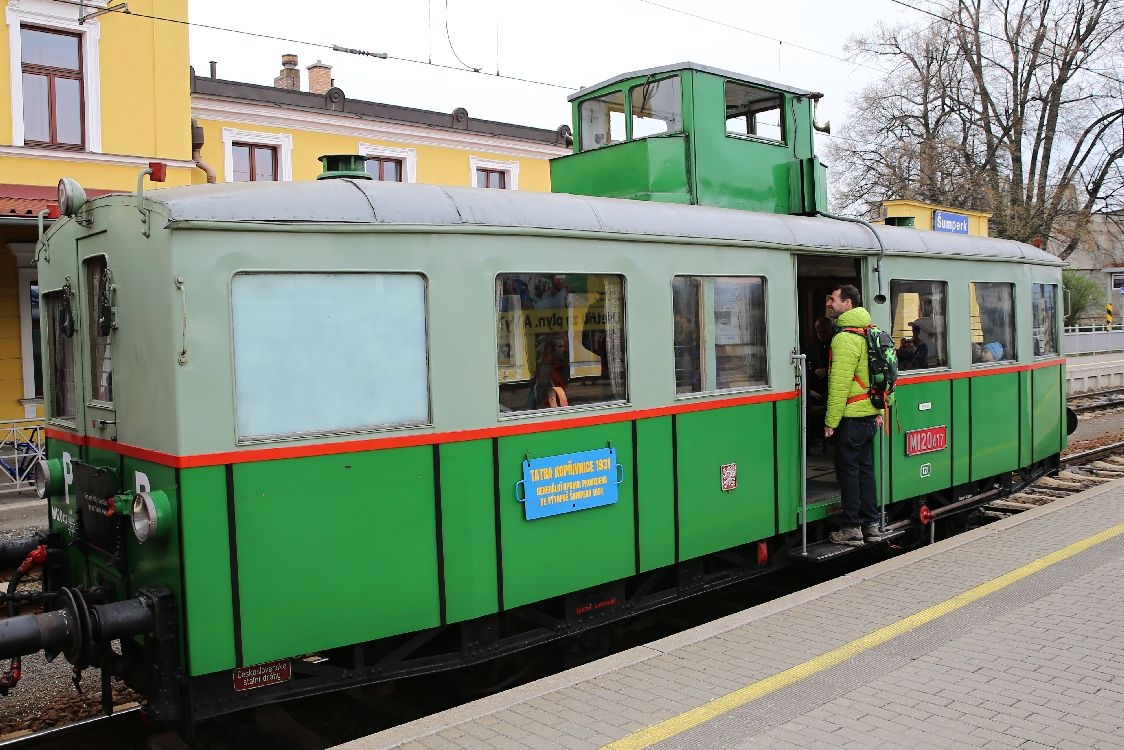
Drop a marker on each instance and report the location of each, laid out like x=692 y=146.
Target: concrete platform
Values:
x=1008 y=636
x=1094 y=372
x=21 y=510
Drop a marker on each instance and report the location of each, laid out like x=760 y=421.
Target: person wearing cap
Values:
x=914 y=353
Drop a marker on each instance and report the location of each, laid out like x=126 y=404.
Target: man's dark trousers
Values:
x=854 y=467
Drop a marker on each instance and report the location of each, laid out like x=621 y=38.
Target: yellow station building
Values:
x=93 y=93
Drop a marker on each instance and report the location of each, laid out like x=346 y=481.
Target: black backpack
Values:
x=881 y=362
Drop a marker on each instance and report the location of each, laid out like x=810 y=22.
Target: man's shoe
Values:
x=871 y=533
x=852 y=537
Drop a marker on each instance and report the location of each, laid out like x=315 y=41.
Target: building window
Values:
x=371 y=327
x=253 y=163
x=384 y=169
x=253 y=155
x=384 y=161
x=917 y=309
x=55 y=77
x=1044 y=307
x=560 y=340
x=52 y=88
x=491 y=178
x=719 y=338
x=992 y=319
x=754 y=112
x=489 y=173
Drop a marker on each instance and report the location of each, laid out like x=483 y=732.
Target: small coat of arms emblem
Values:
x=729 y=477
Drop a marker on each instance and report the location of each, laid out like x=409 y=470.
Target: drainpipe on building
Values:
x=197 y=153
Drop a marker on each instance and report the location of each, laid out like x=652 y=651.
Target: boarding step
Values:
x=824 y=551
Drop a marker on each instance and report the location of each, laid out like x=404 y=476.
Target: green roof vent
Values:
x=338 y=166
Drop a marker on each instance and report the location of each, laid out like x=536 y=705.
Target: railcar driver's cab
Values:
x=695 y=135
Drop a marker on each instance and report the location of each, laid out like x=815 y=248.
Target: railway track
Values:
x=1079 y=471
x=1094 y=401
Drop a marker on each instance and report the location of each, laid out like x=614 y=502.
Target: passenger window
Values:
x=992 y=319
x=1044 y=302
x=917 y=309
x=320 y=353
x=719 y=337
x=754 y=112
x=99 y=295
x=602 y=121
x=657 y=107
x=560 y=340
x=59 y=308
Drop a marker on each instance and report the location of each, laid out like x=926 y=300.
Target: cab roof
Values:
x=690 y=66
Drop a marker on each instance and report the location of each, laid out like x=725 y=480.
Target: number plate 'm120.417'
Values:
x=926 y=441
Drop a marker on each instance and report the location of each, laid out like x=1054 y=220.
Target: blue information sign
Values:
x=572 y=481
x=945 y=221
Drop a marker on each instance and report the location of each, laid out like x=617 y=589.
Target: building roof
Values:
x=372 y=202
x=336 y=102
x=26 y=201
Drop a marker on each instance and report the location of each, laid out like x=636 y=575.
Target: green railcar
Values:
x=305 y=436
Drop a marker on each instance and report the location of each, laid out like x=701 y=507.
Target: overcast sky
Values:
x=571 y=44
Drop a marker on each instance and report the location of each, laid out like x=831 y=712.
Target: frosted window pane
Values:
x=316 y=353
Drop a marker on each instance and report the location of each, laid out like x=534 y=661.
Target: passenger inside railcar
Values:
x=914 y=352
x=559 y=340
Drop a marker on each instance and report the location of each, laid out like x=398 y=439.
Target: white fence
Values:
x=21 y=447
x=1093 y=340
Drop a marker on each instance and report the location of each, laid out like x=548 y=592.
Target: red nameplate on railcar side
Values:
x=260 y=675
x=926 y=441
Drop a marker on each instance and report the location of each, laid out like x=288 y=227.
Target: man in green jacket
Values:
x=852 y=420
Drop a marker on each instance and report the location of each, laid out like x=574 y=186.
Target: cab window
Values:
x=992 y=320
x=100 y=311
x=719 y=337
x=602 y=121
x=62 y=398
x=322 y=353
x=657 y=107
x=754 y=112
x=560 y=340
x=917 y=309
x=1044 y=305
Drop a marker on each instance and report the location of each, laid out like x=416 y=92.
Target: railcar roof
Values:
x=358 y=202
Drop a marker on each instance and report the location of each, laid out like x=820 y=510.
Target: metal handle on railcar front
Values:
x=800 y=364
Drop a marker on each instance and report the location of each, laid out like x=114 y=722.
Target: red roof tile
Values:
x=23 y=206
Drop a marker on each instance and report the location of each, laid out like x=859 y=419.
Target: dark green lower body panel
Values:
x=995 y=410
x=208 y=604
x=711 y=519
x=557 y=554
x=1048 y=408
x=335 y=550
x=468 y=524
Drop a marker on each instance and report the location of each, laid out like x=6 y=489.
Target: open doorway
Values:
x=816 y=277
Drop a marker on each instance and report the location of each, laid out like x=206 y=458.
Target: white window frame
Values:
x=54 y=15
x=282 y=141
x=510 y=167
x=408 y=156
